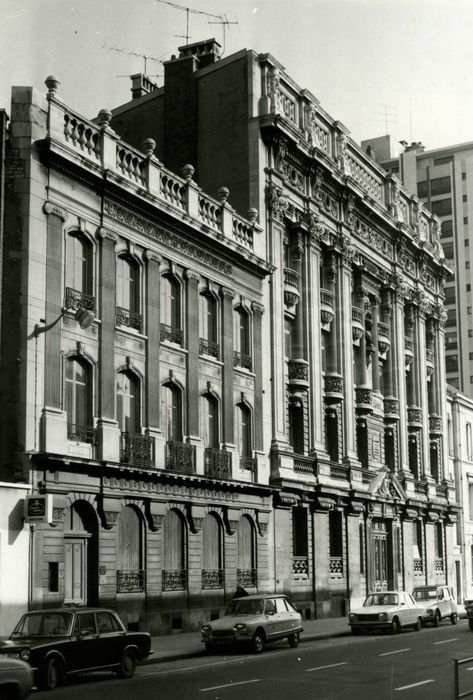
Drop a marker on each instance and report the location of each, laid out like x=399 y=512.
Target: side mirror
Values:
x=270 y=612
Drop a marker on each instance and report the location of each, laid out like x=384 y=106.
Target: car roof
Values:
x=71 y=610
x=259 y=596
x=385 y=592
x=433 y=587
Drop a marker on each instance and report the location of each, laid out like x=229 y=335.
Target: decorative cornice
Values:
x=227 y=292
x=51 y=208
x=192 y=275
x=166 y=237
x=103 y=233
x=152 y=256
x=257 y=308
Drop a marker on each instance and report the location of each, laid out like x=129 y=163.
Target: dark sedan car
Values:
x=62 y=643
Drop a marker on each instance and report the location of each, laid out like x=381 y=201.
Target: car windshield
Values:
x=425 y=594
x=381 y=599
x=242 y=606
x=44 y=624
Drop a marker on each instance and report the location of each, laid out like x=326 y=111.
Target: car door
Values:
x=271 y=618
x=111 y=638
x=412 y=612
x=405 y=612
x=86 y=650
x=291 y=615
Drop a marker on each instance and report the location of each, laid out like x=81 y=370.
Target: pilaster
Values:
x=192 y=334
x=227 y=357
x=153 y=401
x=107 y=296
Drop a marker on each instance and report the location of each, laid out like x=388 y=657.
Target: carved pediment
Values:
x=386 y=485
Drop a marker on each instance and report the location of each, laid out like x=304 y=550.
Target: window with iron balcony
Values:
x=128 y=294
x=170 y=309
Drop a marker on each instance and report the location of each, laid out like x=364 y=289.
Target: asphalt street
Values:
x=408 y=666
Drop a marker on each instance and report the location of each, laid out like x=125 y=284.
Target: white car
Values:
x=16 y=679
x=439 y=604
x=387 y=610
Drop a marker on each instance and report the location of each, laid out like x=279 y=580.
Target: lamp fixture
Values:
x=84 y=317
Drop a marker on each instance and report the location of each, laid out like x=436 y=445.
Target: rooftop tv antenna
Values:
x=387 y=113
x=221 y=19
x=127 y=52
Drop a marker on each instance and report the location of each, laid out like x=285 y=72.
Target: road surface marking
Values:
x=446 y=641
x=414 y=685
x=470 y=668
x=398 y=651
x=319 y=668
x=228 y=685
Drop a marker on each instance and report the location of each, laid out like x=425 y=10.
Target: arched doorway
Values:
x=81 y=555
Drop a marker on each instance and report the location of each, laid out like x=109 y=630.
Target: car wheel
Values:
x=293 y=640
x=395 y=626
x=50 y=674
x=418 y=624
x=209 y=646
x=257 y=643
x=436 y=620
x=356 y=631
x=127 y=665
x=454 y=618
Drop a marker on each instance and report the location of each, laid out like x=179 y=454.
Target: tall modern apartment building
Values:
x=443 y=181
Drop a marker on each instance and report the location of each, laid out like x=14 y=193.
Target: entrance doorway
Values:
x=81 y=556
x=382 y=557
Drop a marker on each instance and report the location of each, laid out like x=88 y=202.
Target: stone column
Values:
x=258 y=370
x=298 y=332
x=442 y=384
x=53 y=307
x=192 y=321
x=315 y=350
x=344 y=343
x=375 y=356
x=107 y=425
x=333 y=364
x=227 y=357
x=422 y=389
x=398 y=336
x=153 y=399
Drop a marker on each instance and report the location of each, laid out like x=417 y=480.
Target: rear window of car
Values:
x=85 y=624
x=242 y=606
x=381 y=599
x=106 y=622
x=425 y=594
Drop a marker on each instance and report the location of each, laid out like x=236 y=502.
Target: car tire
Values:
x=209 y=647
x=418 y=625
x=436 y=620
x=257 y=643
x=51 y=674
x=293 y=640
x=395 y=626
x=356 y=631
x=454 y=618
x=127 y=664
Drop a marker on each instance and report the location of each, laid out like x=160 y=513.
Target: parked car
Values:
x=16 y=679
x=66 y=642
x=468 y=603
x=439 y=604
x=254 y=620
x=387 y=610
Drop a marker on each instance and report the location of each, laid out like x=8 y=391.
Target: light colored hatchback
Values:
x=387 y=610
x=254 y=620
x=439 y=604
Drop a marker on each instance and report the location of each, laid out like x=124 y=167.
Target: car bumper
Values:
x=371 y=625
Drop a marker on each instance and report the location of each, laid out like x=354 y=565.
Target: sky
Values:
x=402 y=67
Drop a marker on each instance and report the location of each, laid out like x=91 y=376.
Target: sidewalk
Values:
x=170 y=647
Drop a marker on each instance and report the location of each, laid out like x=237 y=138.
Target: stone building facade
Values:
x=364 y=495
x=131 y=372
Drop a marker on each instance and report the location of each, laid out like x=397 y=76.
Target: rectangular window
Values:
x=463 y=176
x=447 y=228
x=441 y=207
x=451 y=363
x=470 y=333
x=467 y=264
x=465 y=219
x=335 y=533
x=440 y=185
x=468 y=287
x=468 y=310
x=469 y=444
x=466 y=242
x=470 y=355
x=448 y=250
x=465 y=198
x=53 y=576
x=450 y=295
x=362 y=549
x=443 y=161
x=422 y=189
x=300 y=540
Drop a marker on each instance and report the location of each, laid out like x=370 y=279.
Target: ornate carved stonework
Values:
x=156 y=521
x=51 y=208
x=111 y=518
x=395 y=208
x=342 y=154
x=232 y=526
x=166 y=237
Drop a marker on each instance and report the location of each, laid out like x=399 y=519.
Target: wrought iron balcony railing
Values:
x=130 y=319
x=247 y=578
x=242 y=360
x=339 y=471
x=418 y=566
x=218 y=463
x=300 y=566
x=82 y=433
x=172 y=335
x=78 y=300
x=180 y=457
x=137 y=450
x=130 y=581
x=248 y=463
x=206 y=347
x=174 y=580
x=439 y=565
x=304 y=465
x=335 y=567
x=212 y=579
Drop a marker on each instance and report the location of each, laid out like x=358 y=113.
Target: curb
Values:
x=201 y=652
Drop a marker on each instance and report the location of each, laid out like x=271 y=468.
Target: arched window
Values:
x=128 y=403
x=246 y=572
x=241 y=331
x=130 y=574
x=209 y=421
x=78 y=263
x=243 y=436
x=78 y=402
x=171 y=412
x=128 y=279
x=208 y=325
x=296 y=427
x=174 y=552
x=212 y=570
x=170 y=303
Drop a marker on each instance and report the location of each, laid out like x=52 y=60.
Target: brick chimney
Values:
x=207 y=51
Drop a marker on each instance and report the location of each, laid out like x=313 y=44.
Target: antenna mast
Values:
x=222 y=19
x=145 y=57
